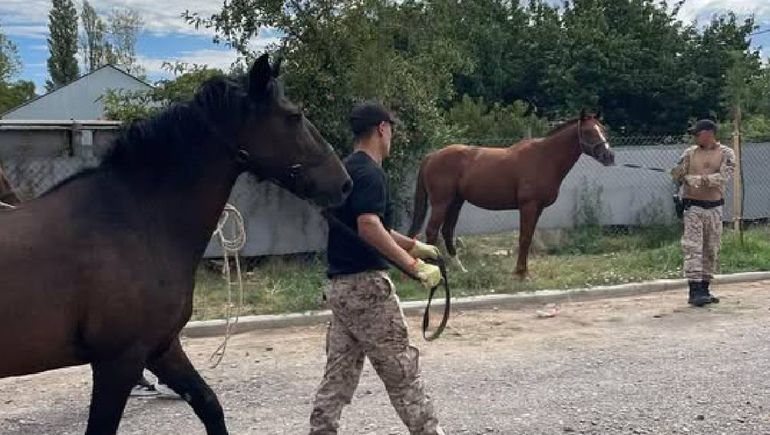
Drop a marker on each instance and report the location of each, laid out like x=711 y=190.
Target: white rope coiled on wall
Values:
x=230 y=247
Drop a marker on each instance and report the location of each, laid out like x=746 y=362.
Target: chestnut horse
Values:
x=525 y=176
x=100 y=269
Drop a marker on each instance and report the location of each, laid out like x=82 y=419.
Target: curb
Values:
x=211 y=328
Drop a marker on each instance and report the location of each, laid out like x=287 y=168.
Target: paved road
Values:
x=638 y=365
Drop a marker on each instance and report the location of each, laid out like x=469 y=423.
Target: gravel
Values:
x=633 y=365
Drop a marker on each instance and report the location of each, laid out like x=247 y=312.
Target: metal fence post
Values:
x=737 y=178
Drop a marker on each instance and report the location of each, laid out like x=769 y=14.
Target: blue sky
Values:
x=166 y=37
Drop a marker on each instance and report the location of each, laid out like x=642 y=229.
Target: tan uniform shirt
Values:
x=705 y=172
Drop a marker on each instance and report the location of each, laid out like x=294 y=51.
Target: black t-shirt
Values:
x=370 y=195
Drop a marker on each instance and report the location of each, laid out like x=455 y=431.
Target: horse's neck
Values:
x=563 y=150
x=183 y=219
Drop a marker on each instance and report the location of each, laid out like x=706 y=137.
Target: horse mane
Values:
x=562 y=126
x=177 y=133
x=173 y=143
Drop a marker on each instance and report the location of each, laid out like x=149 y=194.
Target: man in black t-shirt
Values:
x=367 y=319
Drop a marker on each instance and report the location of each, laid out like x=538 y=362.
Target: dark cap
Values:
x=367 y=115
x=702 y=125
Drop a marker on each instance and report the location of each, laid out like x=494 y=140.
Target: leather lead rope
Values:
x=629 y=165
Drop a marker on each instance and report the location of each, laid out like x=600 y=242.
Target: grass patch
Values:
x=589 y=256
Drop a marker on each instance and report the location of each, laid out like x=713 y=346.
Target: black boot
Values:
x=693 y=289
x=698 y=295
x=712 y=299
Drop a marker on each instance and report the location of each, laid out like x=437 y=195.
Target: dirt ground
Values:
x=635 y=365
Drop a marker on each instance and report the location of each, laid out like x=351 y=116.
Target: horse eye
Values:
x=295 y=116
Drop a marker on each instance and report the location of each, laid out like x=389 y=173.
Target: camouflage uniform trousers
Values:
x=367 y=321
x=701 y=241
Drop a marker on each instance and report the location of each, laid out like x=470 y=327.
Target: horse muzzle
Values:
x=607 y=158
x=314 y=185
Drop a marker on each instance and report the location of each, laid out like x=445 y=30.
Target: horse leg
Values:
x=529 y=213
x=448 y=232
x=112 y=383
x=174 y=369
x=437 y=218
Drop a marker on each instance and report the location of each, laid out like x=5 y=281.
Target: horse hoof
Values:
x=522 y=276
x=458 y=264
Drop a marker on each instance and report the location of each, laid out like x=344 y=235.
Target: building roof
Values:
x=81 y=78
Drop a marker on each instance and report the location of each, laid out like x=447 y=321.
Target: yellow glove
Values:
x=715 y=180
x=424 y=250
x=430 y=275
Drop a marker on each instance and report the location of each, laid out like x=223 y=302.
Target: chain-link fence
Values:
x=33 y=176
x=611 y=197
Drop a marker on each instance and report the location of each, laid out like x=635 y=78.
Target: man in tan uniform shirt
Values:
x=704 y=170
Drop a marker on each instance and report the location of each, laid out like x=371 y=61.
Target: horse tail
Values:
x=420 y=205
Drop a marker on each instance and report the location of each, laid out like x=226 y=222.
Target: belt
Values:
x=702 y=203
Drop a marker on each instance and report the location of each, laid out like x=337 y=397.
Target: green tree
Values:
x=134 y=105
x=481 y=122
x=62 y=44
x=711 y=55
x=125 y=25
x=337 y=52
x=491 y=35
x=10 y=62
x=12 y=93
x=632 y=59
x=112 y=41
x=95 y=48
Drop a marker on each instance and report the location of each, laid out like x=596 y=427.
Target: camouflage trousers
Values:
x=701 y=241
x=368 y=322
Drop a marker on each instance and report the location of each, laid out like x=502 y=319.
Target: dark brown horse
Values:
x=101 y=269
x=525 y=176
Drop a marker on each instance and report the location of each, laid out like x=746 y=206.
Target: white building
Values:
x=81 y=99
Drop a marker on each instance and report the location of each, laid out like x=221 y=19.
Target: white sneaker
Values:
x=165 y=392
x=144 y=391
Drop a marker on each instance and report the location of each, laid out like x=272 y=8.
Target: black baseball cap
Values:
x=703 y=125
x=368 y=114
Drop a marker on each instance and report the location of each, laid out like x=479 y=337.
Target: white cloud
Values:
x=213 y=58
x=221 y=59
x=26 y=31
x=703 y=10
x=160 y=17
x=28 y=18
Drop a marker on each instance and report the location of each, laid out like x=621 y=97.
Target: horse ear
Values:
x=583 y=114
x=259 y=75
x=598 y=114
x=277 y=67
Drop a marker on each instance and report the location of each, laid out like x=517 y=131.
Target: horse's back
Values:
x=444 y=168
x=454 y=158
x=483 y=176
